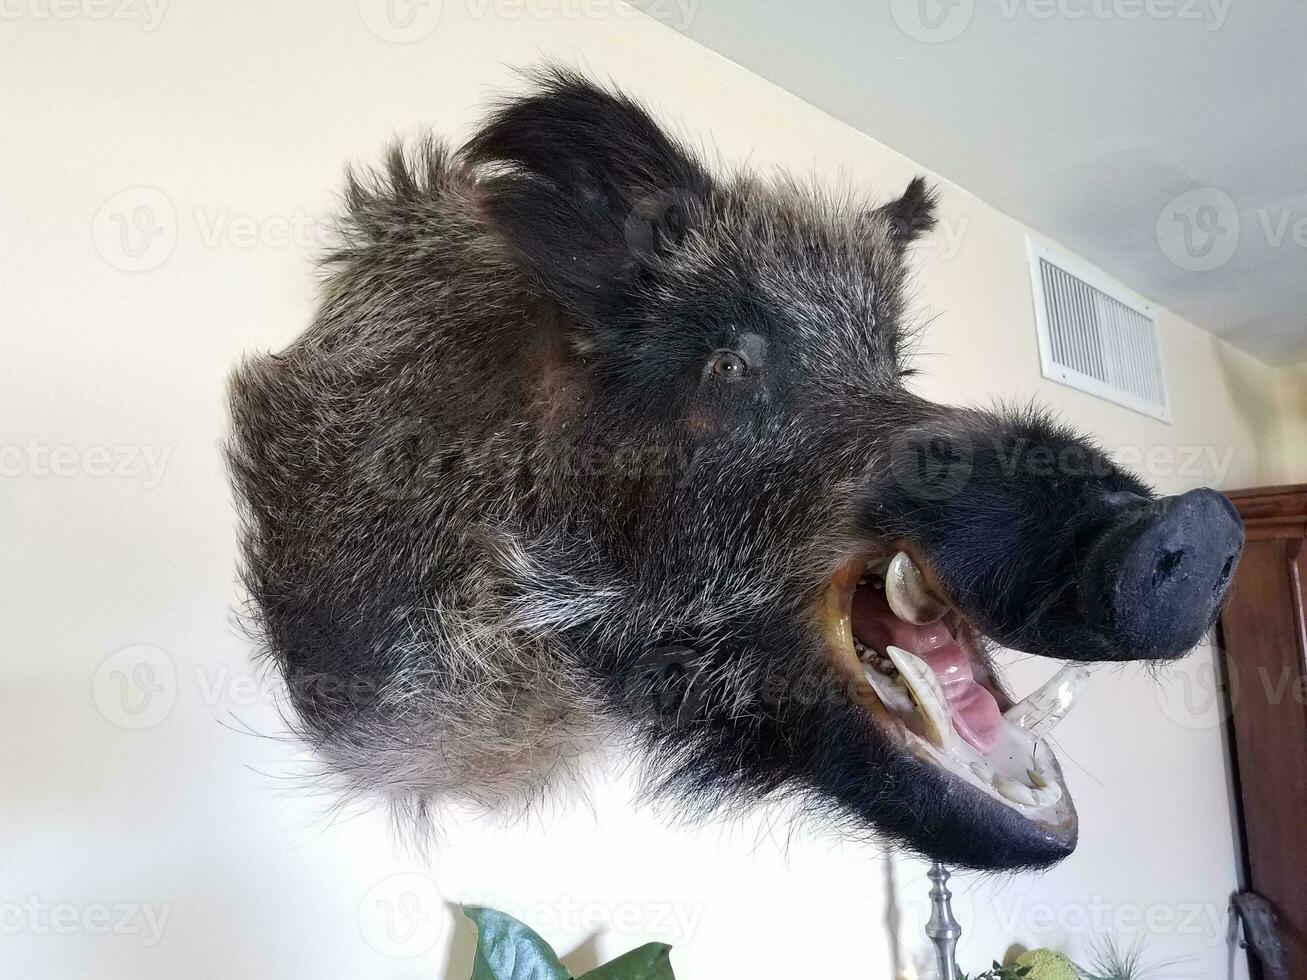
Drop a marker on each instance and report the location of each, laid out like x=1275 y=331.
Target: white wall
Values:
x=168 y=836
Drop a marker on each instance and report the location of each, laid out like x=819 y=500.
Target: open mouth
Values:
x=932 y=684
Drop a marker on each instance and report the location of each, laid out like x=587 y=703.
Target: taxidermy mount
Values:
x=587 y=440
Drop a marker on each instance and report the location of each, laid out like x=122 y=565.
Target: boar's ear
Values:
x=912 y=215
x=586 y=187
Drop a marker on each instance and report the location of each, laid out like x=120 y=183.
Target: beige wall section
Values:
x=240 y=115
x=1292 y=402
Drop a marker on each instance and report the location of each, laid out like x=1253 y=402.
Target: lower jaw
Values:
x=1018 y=766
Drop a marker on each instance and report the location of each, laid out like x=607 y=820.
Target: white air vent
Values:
x=1095 y=335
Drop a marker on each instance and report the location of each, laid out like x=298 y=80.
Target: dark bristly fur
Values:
x=499 y=502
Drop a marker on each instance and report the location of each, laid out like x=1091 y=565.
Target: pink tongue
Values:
x=974 y=711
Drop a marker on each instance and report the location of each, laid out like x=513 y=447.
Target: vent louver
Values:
x=1095 y=335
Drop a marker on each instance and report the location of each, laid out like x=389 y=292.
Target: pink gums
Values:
x=973 y=709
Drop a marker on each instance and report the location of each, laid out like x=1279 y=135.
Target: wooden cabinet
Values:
x=1264 y=636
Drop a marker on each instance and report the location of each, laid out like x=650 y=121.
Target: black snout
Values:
x=1155 y=579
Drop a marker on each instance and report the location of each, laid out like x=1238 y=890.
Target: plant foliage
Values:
x=1114 y=961
x=1000 y=972
x=509 y=950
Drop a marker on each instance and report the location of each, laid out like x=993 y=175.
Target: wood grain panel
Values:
x=1265 y=635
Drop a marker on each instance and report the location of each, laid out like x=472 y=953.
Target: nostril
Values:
x=1226 y=569
x=1155 y=574
x=1167 y=564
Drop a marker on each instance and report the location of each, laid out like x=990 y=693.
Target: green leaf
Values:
x=508 y=950
x=647 y=962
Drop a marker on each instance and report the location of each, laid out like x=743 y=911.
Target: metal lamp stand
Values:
x=942 y=929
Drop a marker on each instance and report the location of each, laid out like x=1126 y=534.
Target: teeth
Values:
x=893 y=695
x=1039 y=712
x=1036 y=791
x=868 y=656
x=928 y=694
x=1040 y=793
x=907 y=594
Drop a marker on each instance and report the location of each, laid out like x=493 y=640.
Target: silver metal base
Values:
x=942 y=929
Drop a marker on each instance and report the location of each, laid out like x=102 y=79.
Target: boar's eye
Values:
x=728 y=365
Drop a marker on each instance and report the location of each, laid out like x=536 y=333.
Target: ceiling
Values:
x=1163 y=140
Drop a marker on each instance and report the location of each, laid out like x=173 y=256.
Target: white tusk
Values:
x=906 y=592
x=1038 y=713
x=926 y=691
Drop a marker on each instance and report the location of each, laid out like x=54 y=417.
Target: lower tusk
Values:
x=926 y=691
x=1043 y=709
